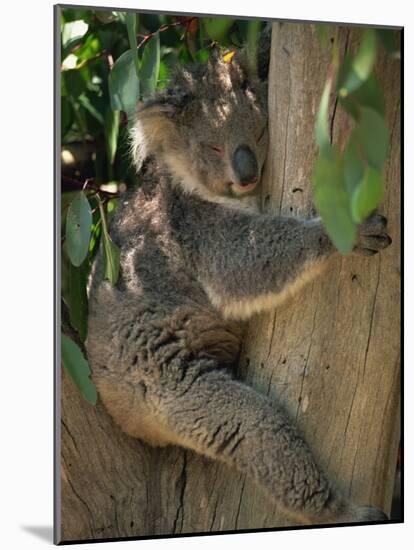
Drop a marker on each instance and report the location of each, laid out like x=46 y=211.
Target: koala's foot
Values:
x=361 y=513
x=372 y=236
x=339 y=510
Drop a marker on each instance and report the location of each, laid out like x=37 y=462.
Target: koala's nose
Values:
x=245 y=165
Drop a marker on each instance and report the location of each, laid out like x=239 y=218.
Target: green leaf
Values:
x=332 y=202
x=362 y=64
x=369 y=94
x=367 y=196
x=112 y=256
x=65 y=200
x=78 y=299
x=372 y=136
x=150 y=66
x=321 y=126
x=78 y=228
x=111 y=133
x=365 y=57
x=131 y=23
x=124 y=84
x=78 y=369
x=112 y=252
x=353 y=167
x=89 y=48
x=388 y=39
x=72 y=34
x=95 y=238
x=217 y=27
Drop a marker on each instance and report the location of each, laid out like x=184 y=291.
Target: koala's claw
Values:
x=376 y=223
x=372 y=236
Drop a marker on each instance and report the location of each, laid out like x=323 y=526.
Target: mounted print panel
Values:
x=229 y=256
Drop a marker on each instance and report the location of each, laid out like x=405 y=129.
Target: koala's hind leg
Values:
x=222 y=418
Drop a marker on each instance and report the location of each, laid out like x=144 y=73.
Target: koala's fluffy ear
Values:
x=156 y=125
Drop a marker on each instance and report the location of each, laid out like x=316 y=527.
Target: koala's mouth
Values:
x=238 y=189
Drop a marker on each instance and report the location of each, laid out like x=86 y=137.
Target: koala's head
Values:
x=209 y=128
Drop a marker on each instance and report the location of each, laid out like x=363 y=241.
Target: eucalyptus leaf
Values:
x=90 y=47
x=362 y=64
x=150 y=66
x=120 y=15
x=72 y=34
x=111 y=133
x=78 y=228
x=353 y=167
x=388 y=38
x=321 y=126
x=124 y=85
x=78 y=299
x=331 y=200
x=112 y=257
x=78 y=369
x=367 y=196
x=369 y=94
x=111 y=251
x=365 y=57
x=372 y=135
x=131 y=23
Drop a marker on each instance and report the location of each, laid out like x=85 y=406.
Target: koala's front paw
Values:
x=372 y=236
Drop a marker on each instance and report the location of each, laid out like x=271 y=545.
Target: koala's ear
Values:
x=157 y=123
x=152 y=128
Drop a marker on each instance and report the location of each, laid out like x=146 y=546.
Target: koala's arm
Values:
x=248 y=263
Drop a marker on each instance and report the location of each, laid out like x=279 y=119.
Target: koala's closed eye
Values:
x=218 y=150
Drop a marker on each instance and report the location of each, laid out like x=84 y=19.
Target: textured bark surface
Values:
x=330 y=355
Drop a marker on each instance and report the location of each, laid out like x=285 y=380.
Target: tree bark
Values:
x=330 y=355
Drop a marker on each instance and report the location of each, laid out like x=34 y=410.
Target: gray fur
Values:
x=195 y=264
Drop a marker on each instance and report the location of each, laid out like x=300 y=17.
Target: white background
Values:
x=26 y=282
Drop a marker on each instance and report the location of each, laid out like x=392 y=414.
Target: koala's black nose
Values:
x=245 y=165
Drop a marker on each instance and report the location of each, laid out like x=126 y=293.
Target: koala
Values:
x=198 y=260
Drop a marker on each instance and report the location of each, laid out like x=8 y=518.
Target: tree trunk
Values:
x=330 y=355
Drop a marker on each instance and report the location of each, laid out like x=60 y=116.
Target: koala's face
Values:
x=210 y=129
